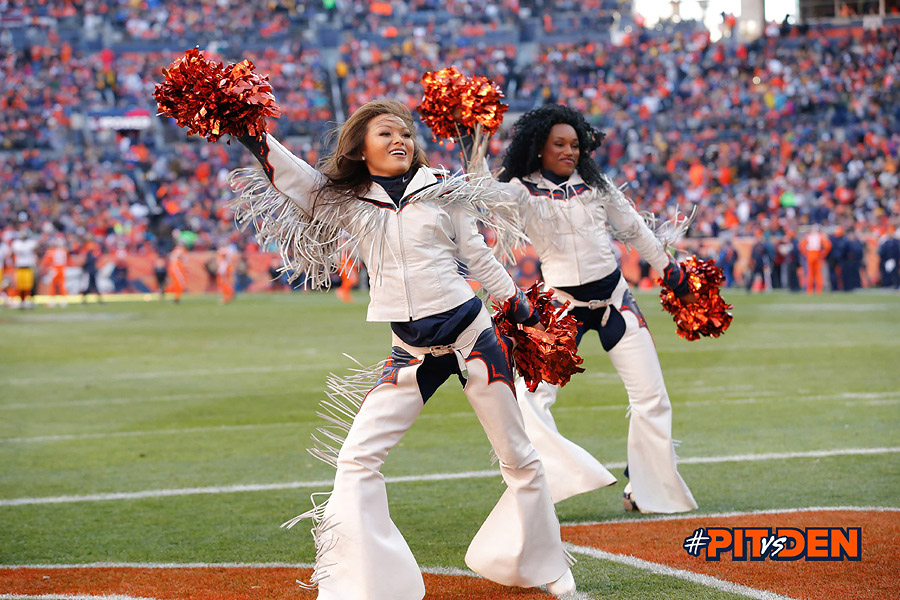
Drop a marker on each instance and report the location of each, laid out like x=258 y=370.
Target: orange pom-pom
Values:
x=709 y=315
x=481 y=104
x=550 y=355
x=212 y=100
x=452 y=99
x=443 y=94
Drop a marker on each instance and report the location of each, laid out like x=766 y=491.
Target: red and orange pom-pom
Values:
x=709 y=315
x=481 y=104
x=212 y=100
x=452 y=99
x=550 y=355
x=443 y=93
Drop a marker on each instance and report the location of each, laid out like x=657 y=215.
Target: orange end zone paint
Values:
x=875 y=577
x=222 y=583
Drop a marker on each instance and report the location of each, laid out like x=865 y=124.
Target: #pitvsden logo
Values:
x=780 y=543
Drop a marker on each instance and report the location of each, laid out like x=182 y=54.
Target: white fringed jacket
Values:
x=566 y=224
x=411 y=252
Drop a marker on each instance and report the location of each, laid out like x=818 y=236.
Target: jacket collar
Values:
x=423 y=178
x=542 y=182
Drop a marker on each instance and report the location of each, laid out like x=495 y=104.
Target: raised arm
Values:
x=289 y=174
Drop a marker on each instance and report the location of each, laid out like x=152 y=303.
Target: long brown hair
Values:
x=347 y=173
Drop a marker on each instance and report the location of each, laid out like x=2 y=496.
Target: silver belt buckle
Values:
x=441 y=350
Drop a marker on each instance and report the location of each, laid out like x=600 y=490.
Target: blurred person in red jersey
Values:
x=815 y=247
x=55 y=261
x=177 y=278
x=224 y=272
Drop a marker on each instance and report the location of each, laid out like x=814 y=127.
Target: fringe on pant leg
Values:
x=345 y=395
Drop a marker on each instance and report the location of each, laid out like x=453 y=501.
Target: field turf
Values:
x=133 y=397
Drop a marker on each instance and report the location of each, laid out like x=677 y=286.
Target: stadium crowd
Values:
x=768 y=140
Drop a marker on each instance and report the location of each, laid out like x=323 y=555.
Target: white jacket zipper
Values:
x=409 y=306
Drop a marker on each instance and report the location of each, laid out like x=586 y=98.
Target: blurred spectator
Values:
x=777 y=135
x=889 y=260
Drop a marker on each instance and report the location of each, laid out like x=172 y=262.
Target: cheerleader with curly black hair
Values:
x=565 y=203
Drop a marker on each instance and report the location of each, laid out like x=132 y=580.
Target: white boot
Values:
x=562 y=586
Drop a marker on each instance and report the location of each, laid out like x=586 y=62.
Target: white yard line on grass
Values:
x=116 y=401
x=120 y=434
x=229 y=565
x=413 y=478
x=853 y=399
x=660 y=569
x=162 y=374
x=724 y=515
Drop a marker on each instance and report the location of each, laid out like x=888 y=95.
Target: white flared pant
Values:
x=657 y=487
x=519 y=543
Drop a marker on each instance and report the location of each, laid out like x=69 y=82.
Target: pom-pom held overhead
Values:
x=481 y=105
x=550 y=355
x=451 y=99
x=709 y=315
x=212 y=100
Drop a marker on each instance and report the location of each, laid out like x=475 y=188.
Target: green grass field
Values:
x=134 y=397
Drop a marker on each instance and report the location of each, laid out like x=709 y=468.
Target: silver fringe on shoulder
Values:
x=310 y=246
x=668 y=232
x=489 y=206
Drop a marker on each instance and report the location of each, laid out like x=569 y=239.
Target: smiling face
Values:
x=389 y=146
x=561 y=150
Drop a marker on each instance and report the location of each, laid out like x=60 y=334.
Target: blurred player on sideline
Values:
x=224 y=269
x=24 y=250
x=815 y=247
x=56 y=260
x=177 y=280
x=90 y=266
x=5 y=263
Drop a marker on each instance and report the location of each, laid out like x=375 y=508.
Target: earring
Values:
x=364 y=158
x=540 y=155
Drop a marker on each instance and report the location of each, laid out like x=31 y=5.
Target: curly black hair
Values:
x=530 y=134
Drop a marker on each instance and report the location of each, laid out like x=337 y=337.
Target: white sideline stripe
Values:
x=265 y=487
x=724 y=515
x=681 y=349
x=163 y=374
x=699 y=460
x=414 y=478
x=853 y=398
x=71 y=597
x=112 y=401
x=117 y=434
x=660 y=569
x=230 y=565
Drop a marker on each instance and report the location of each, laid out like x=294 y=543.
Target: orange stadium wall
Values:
x=141 y=267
